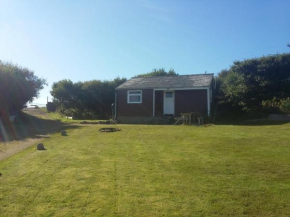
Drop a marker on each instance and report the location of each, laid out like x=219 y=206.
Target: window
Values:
x=134 y=96
x=168 y=94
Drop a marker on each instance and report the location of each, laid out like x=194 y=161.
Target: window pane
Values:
x=169 y=94
x=134 y=92
x=135 y=98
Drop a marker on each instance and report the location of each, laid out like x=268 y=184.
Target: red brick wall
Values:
x=185 y=101
x=159 y=103
x=144 y=109
x=190 y=101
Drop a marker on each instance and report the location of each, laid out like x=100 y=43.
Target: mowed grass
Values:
x=152 y=171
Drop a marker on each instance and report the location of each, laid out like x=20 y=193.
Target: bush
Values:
x=51 y=107
x=17 y=87
x=277 y=105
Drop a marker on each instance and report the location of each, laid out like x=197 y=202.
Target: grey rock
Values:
x=63 y=133
x=40 y=147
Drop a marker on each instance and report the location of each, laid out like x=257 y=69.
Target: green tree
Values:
x=89 y=99
x=158 y=72
x=18 y=86
x=66 y=97
x=243 y=88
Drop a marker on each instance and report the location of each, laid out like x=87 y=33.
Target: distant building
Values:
x=143 y=100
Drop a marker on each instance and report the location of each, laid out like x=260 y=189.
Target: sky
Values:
x=84 y=40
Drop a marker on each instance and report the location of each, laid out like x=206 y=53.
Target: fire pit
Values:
x=109 y=129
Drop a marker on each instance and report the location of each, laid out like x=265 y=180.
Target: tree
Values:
x=277 y=105
x=158 y=72
x=89 y=99
x=65 y=94
x=17 y=87
x=248 y=83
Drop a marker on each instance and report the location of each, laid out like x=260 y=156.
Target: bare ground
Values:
x=10 y=148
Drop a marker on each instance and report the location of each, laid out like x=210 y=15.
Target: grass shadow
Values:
x=261 y=122
x=29 y=126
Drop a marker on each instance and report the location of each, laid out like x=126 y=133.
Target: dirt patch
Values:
x=8 y=149
x=36 y=112
x=30 y=128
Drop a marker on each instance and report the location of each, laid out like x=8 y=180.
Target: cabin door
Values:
x=168 y=102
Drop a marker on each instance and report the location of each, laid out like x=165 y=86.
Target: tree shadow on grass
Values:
x=257 y=123
x=29 y=126
x=264 y=123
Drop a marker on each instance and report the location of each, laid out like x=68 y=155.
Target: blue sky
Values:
x=85 y=40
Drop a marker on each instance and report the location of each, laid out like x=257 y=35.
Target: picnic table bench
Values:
x=189 y=118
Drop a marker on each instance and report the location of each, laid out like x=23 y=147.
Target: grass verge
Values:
x=152 y=171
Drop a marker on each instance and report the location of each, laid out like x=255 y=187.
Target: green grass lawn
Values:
x=152 y=171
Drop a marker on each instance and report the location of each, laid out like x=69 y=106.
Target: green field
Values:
x=147 y=170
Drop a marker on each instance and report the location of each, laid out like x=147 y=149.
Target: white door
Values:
x=168 y=102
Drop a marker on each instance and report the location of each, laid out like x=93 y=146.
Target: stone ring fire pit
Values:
x=109 y=129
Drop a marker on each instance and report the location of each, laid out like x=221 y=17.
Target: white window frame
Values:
x=134 y=94
x=165 y=92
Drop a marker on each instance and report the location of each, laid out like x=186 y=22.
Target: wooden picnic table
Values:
x=189 y=118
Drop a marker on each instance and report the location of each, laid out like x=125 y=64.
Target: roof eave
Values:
x=162 y=88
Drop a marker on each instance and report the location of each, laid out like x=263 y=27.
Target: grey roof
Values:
x=180 y=81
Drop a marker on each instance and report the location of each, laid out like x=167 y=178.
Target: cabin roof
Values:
x=176 y=81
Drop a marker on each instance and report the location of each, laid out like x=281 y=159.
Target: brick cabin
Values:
x=149 y=99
